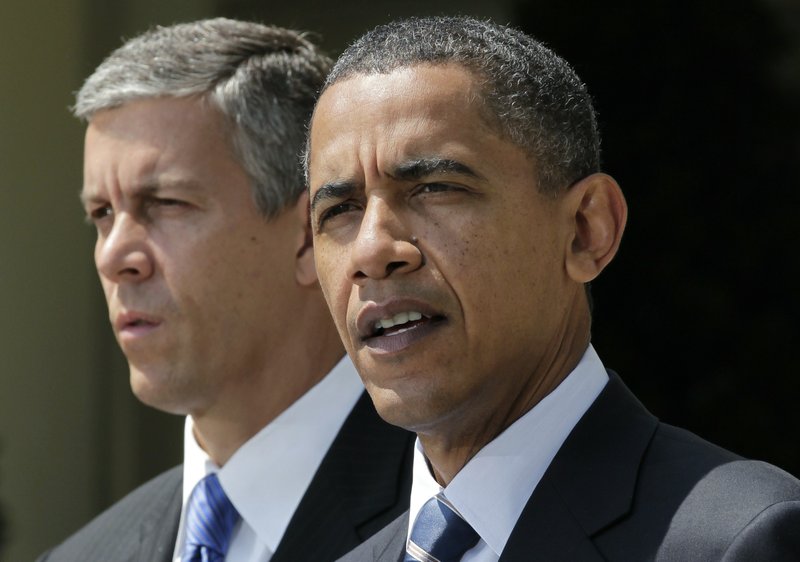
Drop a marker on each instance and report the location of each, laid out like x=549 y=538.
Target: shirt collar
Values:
x=492 y=489
x=267 y=477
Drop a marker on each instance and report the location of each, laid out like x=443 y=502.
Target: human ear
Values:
x=598 y=214
x=305 y=270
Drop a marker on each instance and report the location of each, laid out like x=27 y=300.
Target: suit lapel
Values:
x=546 y=530
x=590 y=483
x=159 y=527
x=363 y=483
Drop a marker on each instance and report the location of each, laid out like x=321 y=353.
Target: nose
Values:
x=123 y=254
x=383 y=247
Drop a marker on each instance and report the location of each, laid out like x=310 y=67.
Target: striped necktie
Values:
x=210 y=517
x=439 y=534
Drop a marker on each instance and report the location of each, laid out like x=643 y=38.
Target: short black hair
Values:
x=535 y=97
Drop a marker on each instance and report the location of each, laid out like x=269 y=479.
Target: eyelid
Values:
x=327 y=212
x=165 y=200
x=445 y=185
x=98 y=212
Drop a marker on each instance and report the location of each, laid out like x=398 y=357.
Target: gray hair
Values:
x=533 y=96
x=263 y=79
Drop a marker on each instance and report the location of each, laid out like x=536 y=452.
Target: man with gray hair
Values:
x=193 y=181
x=459 y=213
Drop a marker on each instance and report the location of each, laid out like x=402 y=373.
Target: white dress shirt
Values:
x=267 y=477
x=492 y=489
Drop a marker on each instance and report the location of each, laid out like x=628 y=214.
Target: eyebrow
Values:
x=415 y=169
x=141 y=191
x=336 y=190
x=144 y=190
x=422 y=167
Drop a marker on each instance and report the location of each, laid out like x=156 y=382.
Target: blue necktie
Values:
x=439 y=534
x=210 y=517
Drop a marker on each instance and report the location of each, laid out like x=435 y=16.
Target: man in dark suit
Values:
x=192 y=180
x=459 y=213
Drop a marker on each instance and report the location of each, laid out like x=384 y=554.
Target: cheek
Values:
x=473 y=255
x=108 y=288
x=499 y=274
x=453 y=249
x=96 y=256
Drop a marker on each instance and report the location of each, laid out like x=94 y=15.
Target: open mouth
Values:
x=406 y=327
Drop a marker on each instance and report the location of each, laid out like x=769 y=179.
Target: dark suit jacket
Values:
x=363 y=483
x=626 y=487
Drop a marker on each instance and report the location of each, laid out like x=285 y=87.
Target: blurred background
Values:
x=699 y=104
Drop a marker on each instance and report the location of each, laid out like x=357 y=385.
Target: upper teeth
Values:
x=397 y=319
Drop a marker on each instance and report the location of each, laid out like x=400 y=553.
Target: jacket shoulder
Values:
x=119 y=531
x=738 y=510
x=771 y=535
x=684 y=499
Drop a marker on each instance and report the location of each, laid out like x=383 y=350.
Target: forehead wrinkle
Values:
x=372 y=155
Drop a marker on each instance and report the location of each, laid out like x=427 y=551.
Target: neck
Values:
x=241 y=411
x=451 y=446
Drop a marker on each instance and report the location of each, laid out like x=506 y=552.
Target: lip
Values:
x=134 y=324
x=372 y=312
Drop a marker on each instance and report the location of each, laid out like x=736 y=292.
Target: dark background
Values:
x=700 y=113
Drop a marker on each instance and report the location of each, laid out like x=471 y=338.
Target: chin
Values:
x=154 y=392
x=409 y=412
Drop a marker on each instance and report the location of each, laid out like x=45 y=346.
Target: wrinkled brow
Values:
x=426 y=166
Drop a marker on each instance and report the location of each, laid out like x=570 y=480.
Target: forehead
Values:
x=439 y=85
x=411 y=111
x=146 y=139
x=180 y=125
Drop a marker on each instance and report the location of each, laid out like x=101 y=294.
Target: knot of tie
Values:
x=210 y=517
x=439 y=534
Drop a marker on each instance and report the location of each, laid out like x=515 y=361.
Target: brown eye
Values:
x=336 y=210
x=100 y=212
